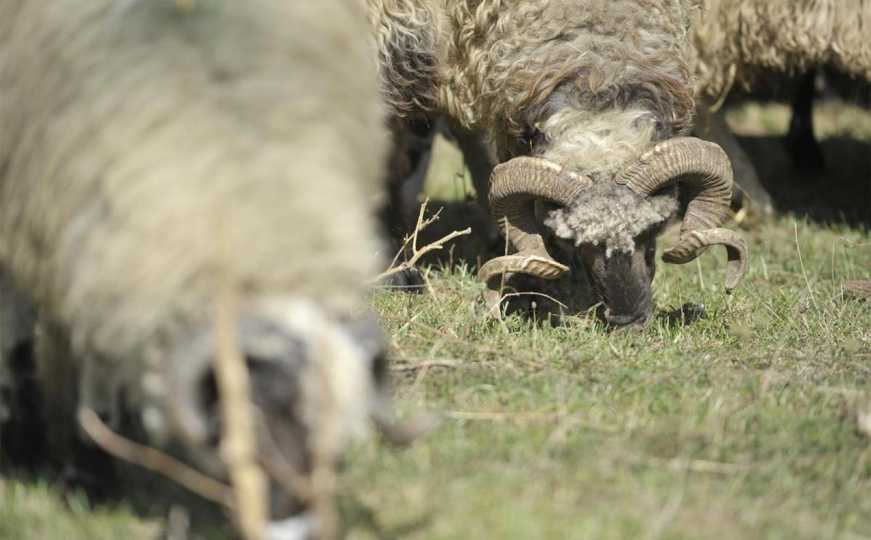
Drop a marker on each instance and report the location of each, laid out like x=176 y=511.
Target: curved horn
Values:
x=514 y=187
x=704 y=168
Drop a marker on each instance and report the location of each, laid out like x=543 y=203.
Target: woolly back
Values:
x=147 y=151
x=506 y=57
x=490 y=63
x=408 y=37
x=738 y=40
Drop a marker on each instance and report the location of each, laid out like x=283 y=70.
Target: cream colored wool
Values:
x=145 y=153
x=610 y=215
x=738 y=40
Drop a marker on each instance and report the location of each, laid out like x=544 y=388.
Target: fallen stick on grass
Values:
x=417 y=253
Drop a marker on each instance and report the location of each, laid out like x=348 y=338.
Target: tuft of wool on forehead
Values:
x=611 y=215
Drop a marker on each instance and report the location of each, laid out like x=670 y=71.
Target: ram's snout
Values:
x=623 y=283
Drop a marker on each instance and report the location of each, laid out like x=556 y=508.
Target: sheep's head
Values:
x=316 y=384
x=611 y=217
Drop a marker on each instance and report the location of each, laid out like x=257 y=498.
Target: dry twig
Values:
x=426 y=364
x=238 y=441
x=858 y=289
x=278 y=469
x=325 y=447
x=153 y=460
x=411 y=241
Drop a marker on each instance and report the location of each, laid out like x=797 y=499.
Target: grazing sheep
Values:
x=746 y=44
x=587 y=103
x=738 y=41
x=152 y=156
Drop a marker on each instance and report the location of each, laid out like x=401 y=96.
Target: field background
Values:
x=753 y=422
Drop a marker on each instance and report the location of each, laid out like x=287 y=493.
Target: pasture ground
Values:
x=752 y=422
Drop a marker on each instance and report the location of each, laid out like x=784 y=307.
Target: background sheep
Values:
x=150 y=154
x=573 y=95
x=752 y=45
x=739 y=41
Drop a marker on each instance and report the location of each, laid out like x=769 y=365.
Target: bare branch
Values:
x=426 y=364
x=325 y=448
x=238 y=441
x=418 y=253
x=154 y=460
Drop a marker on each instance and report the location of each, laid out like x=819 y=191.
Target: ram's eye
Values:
x=530 y=137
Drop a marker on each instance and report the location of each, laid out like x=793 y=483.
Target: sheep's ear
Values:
x=368 y=335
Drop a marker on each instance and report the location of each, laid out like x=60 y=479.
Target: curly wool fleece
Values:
x=610 y=214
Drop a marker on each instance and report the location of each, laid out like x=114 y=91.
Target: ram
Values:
x=587 y=104
x=153 y=155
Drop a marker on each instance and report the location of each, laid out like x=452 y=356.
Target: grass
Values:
x=34 y=510
x=743 y=424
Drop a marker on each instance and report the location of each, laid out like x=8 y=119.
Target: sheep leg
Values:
x=408 y=165
x=713 y=127
x=800 y=142
x=479 y=160
x=81 y=463
x=16 y=335
x=409 y=162
x=21 y=435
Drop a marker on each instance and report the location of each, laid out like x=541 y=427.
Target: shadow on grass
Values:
x=839 y=194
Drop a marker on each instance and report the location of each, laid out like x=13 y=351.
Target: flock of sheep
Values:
x=160 y=160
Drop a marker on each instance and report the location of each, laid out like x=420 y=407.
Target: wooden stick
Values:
x=239 y=439
x=418 y=253
x=154 y=460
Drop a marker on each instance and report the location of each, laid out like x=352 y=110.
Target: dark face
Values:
x=283 y=436
x=622 y=282
x=280 y=365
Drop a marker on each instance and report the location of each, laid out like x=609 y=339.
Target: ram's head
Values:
x=560 y=219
